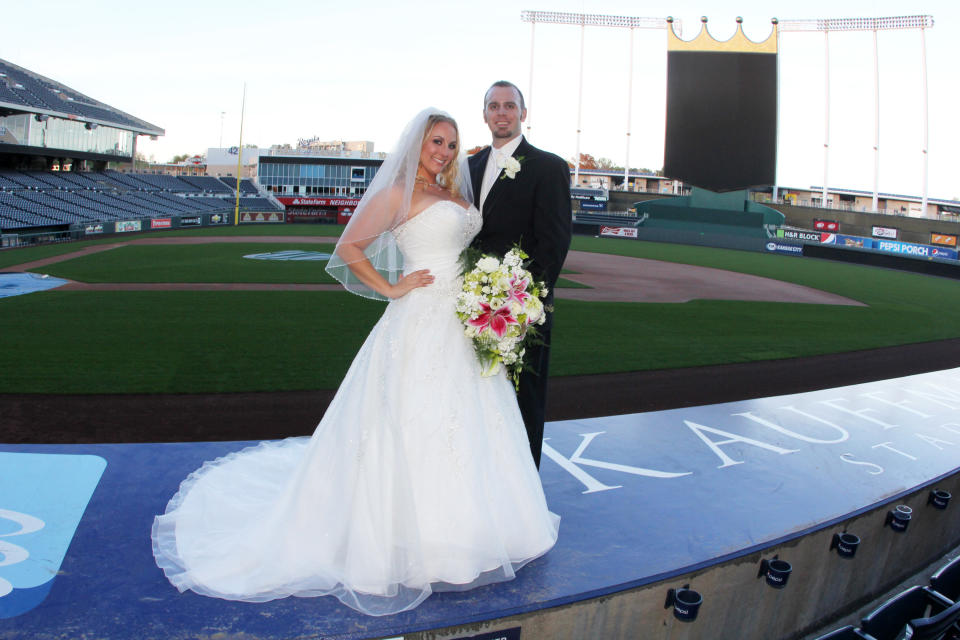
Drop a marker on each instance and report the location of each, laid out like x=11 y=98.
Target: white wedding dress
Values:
x=418 y=478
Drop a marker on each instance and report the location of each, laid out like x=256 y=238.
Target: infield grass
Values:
x=223 y=262
x=162 y=342
x=21 y=255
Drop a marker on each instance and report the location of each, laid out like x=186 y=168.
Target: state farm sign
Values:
x=318 y=202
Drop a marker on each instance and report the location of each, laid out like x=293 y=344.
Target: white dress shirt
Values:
x=492 y=170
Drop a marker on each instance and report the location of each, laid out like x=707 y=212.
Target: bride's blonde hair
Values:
x=448 y=177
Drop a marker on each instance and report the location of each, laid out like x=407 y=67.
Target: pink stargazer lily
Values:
x=497 y=320
x=518 y=290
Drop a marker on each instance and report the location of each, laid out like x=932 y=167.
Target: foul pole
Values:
x=243 y=108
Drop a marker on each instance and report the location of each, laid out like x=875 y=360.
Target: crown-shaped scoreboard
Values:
x=721 y=129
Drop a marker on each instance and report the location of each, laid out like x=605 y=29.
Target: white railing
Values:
x=944 y=217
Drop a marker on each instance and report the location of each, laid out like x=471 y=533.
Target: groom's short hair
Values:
x=504 y=83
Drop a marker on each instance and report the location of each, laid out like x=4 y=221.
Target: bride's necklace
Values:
x=423 y=181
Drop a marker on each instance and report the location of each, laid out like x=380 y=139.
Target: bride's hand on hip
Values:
x=409 y=282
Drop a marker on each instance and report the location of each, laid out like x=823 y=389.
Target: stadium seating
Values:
x=125 y=205
x=946 y=581
x=50 y=198
x=16 y=215
x=259 y=204
x=208 y=184
x=846 y=633
x=246 y=186
x=917 y=608
x=102 y=211
x=128 y=181
x=22 y=180
x=608 y=219
x=55 y=180
x=167 y=183
x=83 y=180
x=66 y=212
x=30 y=90
x=7 y=184
x=942 y=626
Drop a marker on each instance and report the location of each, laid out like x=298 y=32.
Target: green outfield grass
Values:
x=124 y=342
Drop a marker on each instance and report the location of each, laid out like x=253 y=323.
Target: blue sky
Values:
x=359 y=71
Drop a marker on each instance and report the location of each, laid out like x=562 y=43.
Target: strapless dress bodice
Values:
x=434 y=238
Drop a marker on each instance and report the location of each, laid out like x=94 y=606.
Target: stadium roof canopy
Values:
x=23 y=91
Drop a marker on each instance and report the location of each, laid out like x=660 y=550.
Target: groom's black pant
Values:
x=532 y=394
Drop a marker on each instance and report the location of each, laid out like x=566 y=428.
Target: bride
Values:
x=419 y=478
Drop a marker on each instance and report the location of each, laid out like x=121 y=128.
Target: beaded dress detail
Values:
x=419 y=478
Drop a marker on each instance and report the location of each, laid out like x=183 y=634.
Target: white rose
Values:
x=510 y=166
x=488 y=264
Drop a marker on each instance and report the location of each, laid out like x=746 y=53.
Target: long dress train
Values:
x=418 y=478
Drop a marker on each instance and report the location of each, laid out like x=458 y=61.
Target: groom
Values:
x=526 y=204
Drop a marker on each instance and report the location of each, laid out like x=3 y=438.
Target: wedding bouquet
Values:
x=499 y=305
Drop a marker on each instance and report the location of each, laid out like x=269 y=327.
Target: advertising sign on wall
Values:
x=942 y=253
x=943 y=239
x=885 y=232
x=916 y=250
x=619 y=232
x=592 y=205
x=826 y=225
x=782 y=247
x=807 y=236
x=161 y=223
x=854 y=241
x=271 y=216
x=318 y=202
x=191 y=221
x=125 y=226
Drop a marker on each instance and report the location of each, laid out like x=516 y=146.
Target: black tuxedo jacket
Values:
x=531 y=209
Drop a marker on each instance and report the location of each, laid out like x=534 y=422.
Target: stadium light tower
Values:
x=583 y=20
x=826 y=25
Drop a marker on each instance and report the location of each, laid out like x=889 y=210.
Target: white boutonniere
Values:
x=510 y=166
